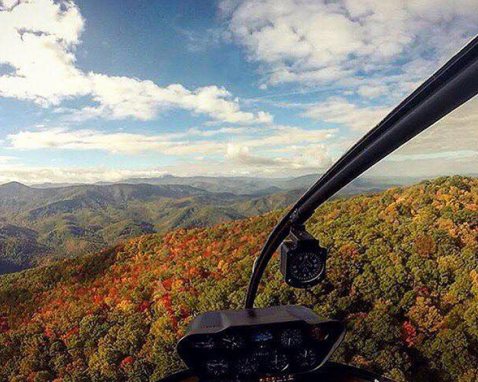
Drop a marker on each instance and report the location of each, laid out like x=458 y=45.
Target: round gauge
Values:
x=319 y=334
x=306 y=359
x=217 y=367
x=232 y=342
x=291 y=338
x=202 y=343
x=277 y=362
x=262 y=356
x=305 y=266
x=262 y=337
x=247 y=366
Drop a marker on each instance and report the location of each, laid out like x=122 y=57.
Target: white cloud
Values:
x=371 y=91
x=124 y=97
x=455 y=134
x=241 y=155
x=6 y=159
x=221 y=131
x=279 y=148
x=180 y=143
x=115 y=142
x=449 y=147
x=64 y=174
x=61 y=138
x=339 y=110
x=37 y=174
x=38 y=39
x=283 y=151
x=348 y=42
x=311 y=157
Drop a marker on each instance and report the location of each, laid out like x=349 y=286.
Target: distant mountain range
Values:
x=41 y=223
x=243 y=185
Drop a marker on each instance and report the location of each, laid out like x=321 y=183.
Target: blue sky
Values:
x=105 y=90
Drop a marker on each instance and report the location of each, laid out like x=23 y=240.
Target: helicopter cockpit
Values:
x=291 y=343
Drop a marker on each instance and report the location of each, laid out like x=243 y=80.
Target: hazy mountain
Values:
x=67 y=221
x=70 y=220
x=236 y=185
x=17 y=246
x=256 y=185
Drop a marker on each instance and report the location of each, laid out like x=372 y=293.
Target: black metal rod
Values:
x=454 y=84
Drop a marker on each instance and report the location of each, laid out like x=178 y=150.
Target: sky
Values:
x=106 y=90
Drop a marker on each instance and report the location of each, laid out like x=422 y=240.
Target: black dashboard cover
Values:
x=211 y=323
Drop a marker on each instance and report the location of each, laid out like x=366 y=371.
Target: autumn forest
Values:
x=402 y=273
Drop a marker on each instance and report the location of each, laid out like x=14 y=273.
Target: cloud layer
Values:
x=339 y=110
x=349 y=43
x=363 y=56
x=38 y=39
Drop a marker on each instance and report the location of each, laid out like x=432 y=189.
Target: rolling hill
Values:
x=243 y=185
x=68 y=221
x=58 y=222
x=402 y=272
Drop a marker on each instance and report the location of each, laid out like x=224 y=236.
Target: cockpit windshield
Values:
x=148 y=149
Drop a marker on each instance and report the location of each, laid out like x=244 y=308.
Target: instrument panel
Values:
x=254 y=345
x=330 y=372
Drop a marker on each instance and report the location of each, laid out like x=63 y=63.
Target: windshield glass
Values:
x=148 y=148
x=449 y=147
x=403 y=261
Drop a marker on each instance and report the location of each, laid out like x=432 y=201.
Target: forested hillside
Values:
x=38 y=224
x=402 y=272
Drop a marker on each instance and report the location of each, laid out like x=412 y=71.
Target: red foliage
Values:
x=70 y=333
x=194 y=272
x=167 y=283
x=166 y=300
x=144 y=306
x=409 y=333
x=184 y=312
x=127 y=361
x=48 y=332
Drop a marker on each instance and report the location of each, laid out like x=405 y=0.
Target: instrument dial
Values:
x=319 y=334
x=232 y=342
x=306 y=358
x=205 y=343
x=248 y=366
x=262 y=337
x=217 y=367
x=305 y=266
x=291 y=338
x=277 y=362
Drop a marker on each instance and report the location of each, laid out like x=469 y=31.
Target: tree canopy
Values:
x=402 y=272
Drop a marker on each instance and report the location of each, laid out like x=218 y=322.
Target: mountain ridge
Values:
x=75 y=219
